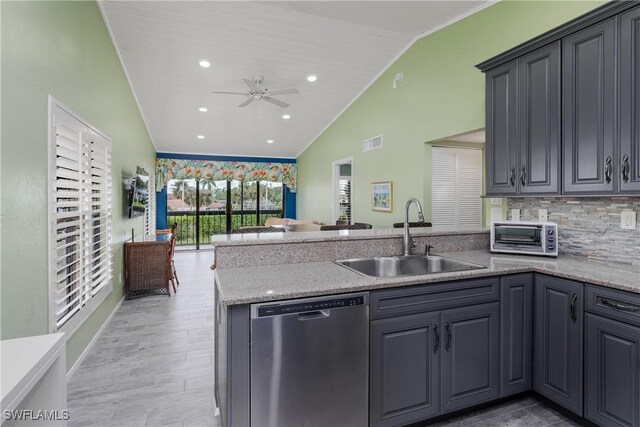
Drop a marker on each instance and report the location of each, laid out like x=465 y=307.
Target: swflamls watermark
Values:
x=39 y=415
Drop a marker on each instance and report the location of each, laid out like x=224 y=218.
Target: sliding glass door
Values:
x=202 y=208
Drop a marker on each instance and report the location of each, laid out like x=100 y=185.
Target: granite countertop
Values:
x=241 y=239
x=277 y=282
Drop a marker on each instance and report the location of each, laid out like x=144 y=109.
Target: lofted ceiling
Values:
x=347 y=44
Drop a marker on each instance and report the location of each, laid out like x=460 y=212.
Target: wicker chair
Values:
x=356 y=226
x=147 y=267
x=412 y=224
x=259 y=230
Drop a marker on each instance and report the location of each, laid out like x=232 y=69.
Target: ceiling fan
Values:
x=258 y=93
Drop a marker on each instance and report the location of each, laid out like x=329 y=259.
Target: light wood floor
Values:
x=153 y=363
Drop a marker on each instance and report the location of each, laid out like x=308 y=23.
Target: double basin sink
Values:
x=408 y=265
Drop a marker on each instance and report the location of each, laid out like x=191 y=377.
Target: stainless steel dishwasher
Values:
x=310 y=362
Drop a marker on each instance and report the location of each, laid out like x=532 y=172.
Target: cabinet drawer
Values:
x=624 y=306
x=423 y=298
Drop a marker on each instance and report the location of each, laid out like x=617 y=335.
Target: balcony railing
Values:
x=213 y=222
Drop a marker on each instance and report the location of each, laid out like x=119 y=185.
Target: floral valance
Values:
x=167 y=169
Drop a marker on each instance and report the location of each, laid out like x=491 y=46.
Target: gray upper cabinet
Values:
x=589 y=119
x=577 y=105
x=557 y=345
x=629 y=155
x=612 y=372
x=501 y=117
x=516 y=320
x=470 y=356
x=539 y=121
x=405 y=360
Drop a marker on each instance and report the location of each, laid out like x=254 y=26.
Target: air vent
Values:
x=372 y=143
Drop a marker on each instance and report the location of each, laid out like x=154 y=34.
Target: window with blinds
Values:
x=150 y=208
x=81 y=196
x=344 y=199
x=456 y=186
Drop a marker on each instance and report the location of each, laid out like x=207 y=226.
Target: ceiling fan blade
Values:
x=276 y=102
x=252 y=85
x=247 y=102
x=229 y=93
x=284 y=91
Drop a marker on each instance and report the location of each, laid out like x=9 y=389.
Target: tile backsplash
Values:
x=588 y=226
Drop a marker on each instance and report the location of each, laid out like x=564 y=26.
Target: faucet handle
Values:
x=427 y=249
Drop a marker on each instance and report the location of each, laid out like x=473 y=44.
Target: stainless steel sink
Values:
x=410 y=265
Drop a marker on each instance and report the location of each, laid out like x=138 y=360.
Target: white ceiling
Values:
x=346 y=43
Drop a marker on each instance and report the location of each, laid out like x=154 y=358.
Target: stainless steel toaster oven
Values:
x=520 y=237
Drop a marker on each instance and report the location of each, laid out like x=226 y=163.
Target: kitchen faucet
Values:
x=407 y=242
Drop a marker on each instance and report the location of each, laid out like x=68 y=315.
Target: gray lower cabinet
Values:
x=405 y=369
x=589 y=109
x=502 y=120
x=539 y=121
x=516 y=326
x=557 y=346
x=422 y=365
x=470 y=356
x=629 y=156
x=612 y=373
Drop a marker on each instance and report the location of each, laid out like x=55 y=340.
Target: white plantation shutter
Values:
x=344 y=198
x=81 y=214
x=456 y=186
x=150 y=208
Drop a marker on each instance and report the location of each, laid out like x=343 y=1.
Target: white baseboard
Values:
x=88 y=348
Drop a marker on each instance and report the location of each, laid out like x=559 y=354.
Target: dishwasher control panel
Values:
x=304 y=306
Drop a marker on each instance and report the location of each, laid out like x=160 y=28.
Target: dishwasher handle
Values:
x=317 y=314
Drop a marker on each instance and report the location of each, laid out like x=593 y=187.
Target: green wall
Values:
x=61 y=49
x=442 y=94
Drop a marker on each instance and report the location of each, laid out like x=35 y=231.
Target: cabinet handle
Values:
x=447 y=346
x=513 y=176
x=625 y=168
x=607 y=169
x=437 y=337
x=523 y=175
x=574 y=298
x=619 y=306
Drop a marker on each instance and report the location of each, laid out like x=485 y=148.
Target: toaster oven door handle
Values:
x=522 y=227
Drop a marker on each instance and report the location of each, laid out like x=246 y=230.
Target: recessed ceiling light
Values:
x=312 y=78
x=286 y=116
x=202 y=109
x=204 y=63
x=269 y=141
x=200 y=136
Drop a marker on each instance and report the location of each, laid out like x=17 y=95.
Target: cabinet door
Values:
x=613 y=372
x=501 y=124
x=589 y=109
x=405 y=362
x=516 y=321
x=557 y=345
x=470 y=356
x=630 y=101
x=539 y=125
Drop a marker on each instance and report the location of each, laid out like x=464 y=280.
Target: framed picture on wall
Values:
x=382 y=196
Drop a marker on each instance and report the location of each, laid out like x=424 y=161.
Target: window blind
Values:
x=456 y=186
x=82 y=206
x=344 y=198
x=150 y=209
